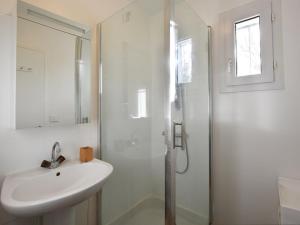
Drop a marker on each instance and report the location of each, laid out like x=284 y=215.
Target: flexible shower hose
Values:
x=186 y=149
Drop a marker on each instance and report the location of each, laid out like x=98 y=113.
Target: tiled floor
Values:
x=153 y=217
x=151 y=214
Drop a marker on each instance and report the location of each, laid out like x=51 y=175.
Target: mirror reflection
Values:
x=53 y=70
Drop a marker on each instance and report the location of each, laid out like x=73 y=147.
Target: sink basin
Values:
x=40 y=191
x=289 y=196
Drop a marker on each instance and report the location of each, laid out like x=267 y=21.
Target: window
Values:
x=247 y=47
x=251 y=47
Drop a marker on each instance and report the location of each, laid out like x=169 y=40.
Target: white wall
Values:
x=255 y=139
x=23 y=149
x=256 y=135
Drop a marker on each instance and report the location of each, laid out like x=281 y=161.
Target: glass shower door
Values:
x=132 y=114
x=154 y=97
x=191 y=110
x=188 y=119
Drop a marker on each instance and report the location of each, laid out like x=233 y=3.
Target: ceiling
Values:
x=94 y=11
x=85 y=11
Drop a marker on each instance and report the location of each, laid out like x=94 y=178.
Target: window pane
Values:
x=248 y=59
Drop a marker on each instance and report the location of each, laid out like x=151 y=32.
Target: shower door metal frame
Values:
x=210 y=126
x=170 y=156
x=99 y=124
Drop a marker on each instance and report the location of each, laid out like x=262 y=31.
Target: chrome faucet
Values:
x=56 y=158
x=56 y=150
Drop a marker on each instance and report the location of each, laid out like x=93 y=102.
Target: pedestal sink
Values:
x=52 y=192
x=289 y=196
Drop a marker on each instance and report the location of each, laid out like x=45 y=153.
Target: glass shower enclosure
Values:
x=155 y=115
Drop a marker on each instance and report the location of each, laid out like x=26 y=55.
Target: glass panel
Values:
x=247 y=39
x=192 y=111
x=132 y=114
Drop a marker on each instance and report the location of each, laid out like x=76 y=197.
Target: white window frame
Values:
x=271 y=76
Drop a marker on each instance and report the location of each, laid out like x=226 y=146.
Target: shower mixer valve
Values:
x=178 y=141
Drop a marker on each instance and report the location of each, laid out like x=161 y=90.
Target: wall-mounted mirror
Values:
x=53 y=78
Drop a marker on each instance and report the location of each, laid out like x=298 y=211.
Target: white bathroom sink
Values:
x=41 y=191
x=289 y=196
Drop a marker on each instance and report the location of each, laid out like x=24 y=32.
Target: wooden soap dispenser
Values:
x=86 y=154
